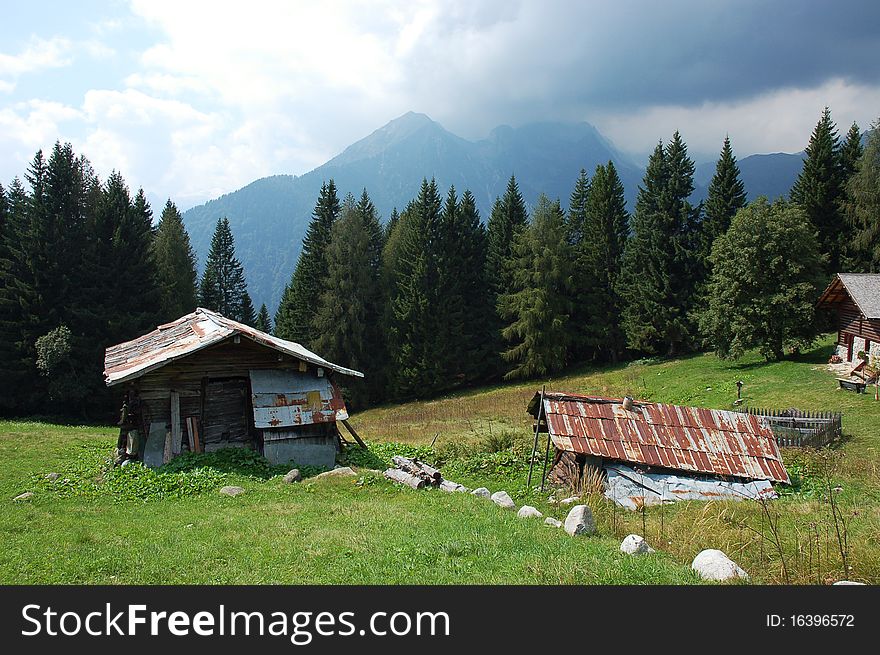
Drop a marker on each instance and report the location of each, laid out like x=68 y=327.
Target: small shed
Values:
x=205 y=382
x=664 y=450
x=855 y=300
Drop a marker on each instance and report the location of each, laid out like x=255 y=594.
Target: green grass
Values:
x=353 y=530
x=109 y=526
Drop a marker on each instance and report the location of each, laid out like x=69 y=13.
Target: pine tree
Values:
x=508 y=218
x=726 y=196
x=850 y=152
x=771 y=253
x=538 y=304
x=414 y=308
x=577 y=210
x=862 y=208
x=175 y=265
x=598 y=260
x=248 y=314
x=293 y=319
x=264 y=321
x=819 y=190
x=223 y=287
x=660 y=269
x=347 y=316
x=463 y=326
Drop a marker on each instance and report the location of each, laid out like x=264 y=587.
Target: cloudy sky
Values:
x=194 y=99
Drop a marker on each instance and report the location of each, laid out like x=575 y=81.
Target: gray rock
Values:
x=580 y=521
x=529 y=512
x=848 y=582
x=713 y=564
x=482 y=492
x=293 y=475
x=231 y=491
x=502 y=499
x=51 y=477
x=633 y=544
x=27 y=495
x=127 y=462
x=569 y=501
x=553 y=523
x=338 y=472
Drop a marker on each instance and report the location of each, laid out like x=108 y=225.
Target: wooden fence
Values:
x=797 y=428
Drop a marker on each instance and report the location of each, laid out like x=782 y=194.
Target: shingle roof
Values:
x=188 y=334
x=699 y=440
x=863 y=288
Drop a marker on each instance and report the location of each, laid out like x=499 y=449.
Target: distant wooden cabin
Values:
x=205 y=382
x=855 y=299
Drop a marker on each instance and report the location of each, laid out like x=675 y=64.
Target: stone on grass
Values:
x=848 y=582
x=553 y=523
x=25 y=496
x=633 y=544
x=528 y=512
x=126 y=462
x=231 y=491
x=502 y=499
x=338 y=472
x=482 y=492
x=713 y=564
x=293 y=475
x=569 y=501
x=51 y=477
x=580 y=521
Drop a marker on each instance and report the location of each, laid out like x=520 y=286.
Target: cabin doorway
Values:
x=226 y=413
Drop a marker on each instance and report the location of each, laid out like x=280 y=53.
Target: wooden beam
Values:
x=535 y=445
x=176 y=432
x=354 y=434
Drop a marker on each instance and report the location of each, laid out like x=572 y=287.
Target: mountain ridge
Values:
x=269 y=216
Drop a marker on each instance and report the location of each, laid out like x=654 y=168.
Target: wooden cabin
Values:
x=855 y=299
x=205 y=382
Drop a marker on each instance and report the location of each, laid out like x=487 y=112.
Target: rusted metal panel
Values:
x=189 y=334
x=290 y=398
x=693 y=439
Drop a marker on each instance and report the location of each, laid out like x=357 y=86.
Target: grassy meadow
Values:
x=96 y=524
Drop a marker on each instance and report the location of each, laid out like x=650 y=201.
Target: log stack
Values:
x=418 y=475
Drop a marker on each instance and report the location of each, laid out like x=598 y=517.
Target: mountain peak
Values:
x=390 y=134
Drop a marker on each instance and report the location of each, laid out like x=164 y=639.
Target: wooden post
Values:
x=546 y=457
x=535 y=445
x=176 y=432
x=354 y=434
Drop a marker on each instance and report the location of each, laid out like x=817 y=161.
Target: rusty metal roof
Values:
x=191 y=333
x=692 y=439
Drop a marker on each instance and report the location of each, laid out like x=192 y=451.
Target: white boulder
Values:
x=713 y=564
x=553 y=523
x=231 y=491
x=482 y=492
x=502 y=499
x=528 y=512
x=633 y=544
x=580 y=521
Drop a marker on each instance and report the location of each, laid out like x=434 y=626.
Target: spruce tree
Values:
x=850 y=152
x=862 y=208
x=414 y=308
x=508 y=218
x=264 y=321
x=538 y=303
x=223 y=288
x=347 y=316
x=819 y=189
x=726 y=196
x=660 y=271
x=463 y=328
x=293 y=319
x=598 y=260
x=765 y=282
x=175 y=265
x=577 y=209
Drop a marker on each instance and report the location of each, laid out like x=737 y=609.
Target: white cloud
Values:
x=28 y=126
x=38 y=55
x=781 y=121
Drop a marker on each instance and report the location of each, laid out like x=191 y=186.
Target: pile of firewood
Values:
x=418 y=475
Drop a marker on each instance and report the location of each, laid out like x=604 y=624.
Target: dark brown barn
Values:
x=855 y=299
x=205 y=382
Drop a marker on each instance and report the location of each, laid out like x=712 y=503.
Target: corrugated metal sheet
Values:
x=693 y=439
x=287 y=398
x=189 y=334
